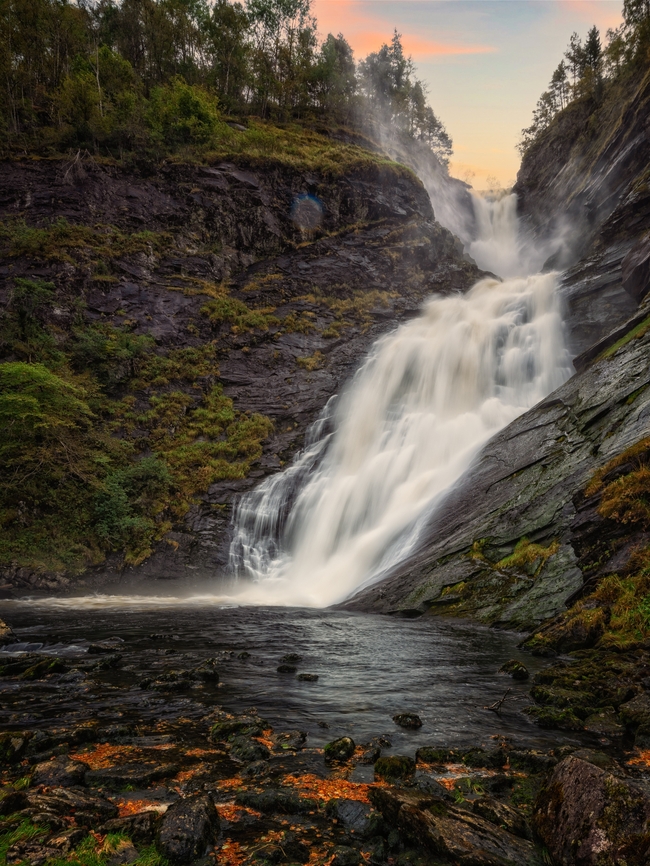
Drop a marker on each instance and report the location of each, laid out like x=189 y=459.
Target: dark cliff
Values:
x=519 y=536
x=245 y=293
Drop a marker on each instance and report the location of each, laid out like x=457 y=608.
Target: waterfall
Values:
x=354 y=502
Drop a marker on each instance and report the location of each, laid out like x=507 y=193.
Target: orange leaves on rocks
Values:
x=329 y=789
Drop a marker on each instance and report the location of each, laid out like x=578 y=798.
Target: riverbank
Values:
x=128 y=751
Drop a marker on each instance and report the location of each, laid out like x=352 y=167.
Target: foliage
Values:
x=156 y=74
x=591 y=69
x=240 y=317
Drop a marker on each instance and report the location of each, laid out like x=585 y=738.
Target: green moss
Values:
x=312 y=362
x=638 y=331
x=529 y=557
x=22 y=832
x=241 y=317
x=57 y=240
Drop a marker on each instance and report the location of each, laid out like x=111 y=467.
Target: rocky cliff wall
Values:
x=509 y=546
x=283 y=306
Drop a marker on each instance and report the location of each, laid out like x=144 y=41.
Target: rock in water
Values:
x=6 y=634
x=588 y=817
x=339 y=750
x=394 y=768
x=411 y=721
x=515 y=669
x=187 y=828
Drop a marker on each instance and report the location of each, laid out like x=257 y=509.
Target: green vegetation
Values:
x=101 y=449
x=89 y=852
x=638 y=331
x=241 y=317
x=529 y=557
x=164 y=77
x=591 y=73
x=57 y=240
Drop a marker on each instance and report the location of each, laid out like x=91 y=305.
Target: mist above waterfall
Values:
x=355 y=501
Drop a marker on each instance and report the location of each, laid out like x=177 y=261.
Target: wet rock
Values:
x=291 y=740
x=370 y=755
x=375 y=851
x=636 y=715
x=34 y=853
x=531 y=760
x=344 y=856
x=291 y=658
x=307 y=678
x=59 y=772
x=188 y=828
x=140 y=828
x=502 y=815
x=490 y=759
x=89 y=810
x=13 y=746
x=110 y=645
x=243 y=655
x=515 y=669
x=68 y=840
x=357 y=818
x=248 y=751
x=429 y=785
x=135 y=775
x=555 y=719
x=410 y=721
x=44 y=668
x=255 y=770
x=6 y=634
x=604 y=723
x=286 y=669
x=432 y=755
x=444 y=829
x=636 y=270
x=124 y=853
x=339 y=750
x=394 y=768
x=227 y=727
x=207 y=672
x=499 y=784
x=589 y=817
x=276 y=801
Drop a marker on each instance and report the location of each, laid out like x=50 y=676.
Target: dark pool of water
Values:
x=369 y=668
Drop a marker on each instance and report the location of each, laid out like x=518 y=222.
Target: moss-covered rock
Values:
x=339 y=750
x=394 y=768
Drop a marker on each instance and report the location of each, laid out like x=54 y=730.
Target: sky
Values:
x=485 y=62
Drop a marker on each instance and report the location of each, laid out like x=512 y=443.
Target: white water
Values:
x=430 y=395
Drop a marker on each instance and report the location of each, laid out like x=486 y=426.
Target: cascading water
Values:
x=354 y=502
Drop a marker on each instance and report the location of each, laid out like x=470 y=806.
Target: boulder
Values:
x=140 y=828
x=134 y=775
x=515 y=669
x=339 y=750
x=88 y=809
x=248 y=751
x=188 y=828
x=410 y=721
x=395 y=768
x=276 y=802
x=465 y=838
x=357 y=818
x=587 y=817
x=60 y=772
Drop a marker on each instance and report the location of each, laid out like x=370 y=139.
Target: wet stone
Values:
x=286 y=669
x=339 y=750
x=187 y=828
x=140 y=828
x=307 y=678
x=276 y=801
x=410 y=721
x=395 y=768
x=515 y=669
x=291 y=658
x=60 y=772
x=248 y=751
x=135 y=775
x=344 y=856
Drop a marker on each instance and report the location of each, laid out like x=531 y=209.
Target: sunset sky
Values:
x=486 y=62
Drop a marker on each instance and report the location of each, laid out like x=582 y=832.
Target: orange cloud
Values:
x=366 y=32
x=603 y=14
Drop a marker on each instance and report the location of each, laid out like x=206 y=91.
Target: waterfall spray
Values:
x=355 y=501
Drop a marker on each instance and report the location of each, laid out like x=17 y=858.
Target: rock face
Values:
x=588 y=817
x=228 y=228
x=477 y=561
x=575 y=174
x=6 y=634
x=508 y=545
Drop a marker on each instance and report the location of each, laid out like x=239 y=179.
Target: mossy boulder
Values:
x=410 y=721
x=224 y=729
x=587 y=816
x=395 y=768
x=248 y=750
x=515 y=669
x=555 y=719
x=339 y=750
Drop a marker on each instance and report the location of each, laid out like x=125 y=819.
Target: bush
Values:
x=182 y=113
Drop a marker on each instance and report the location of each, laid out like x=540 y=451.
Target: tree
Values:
x=575 y=56
x=335 y=80
x=560 y=86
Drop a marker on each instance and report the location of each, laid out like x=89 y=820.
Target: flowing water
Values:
x=355 y=502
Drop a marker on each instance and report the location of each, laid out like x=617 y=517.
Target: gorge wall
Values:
x=242 y=296
x=519 y=537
